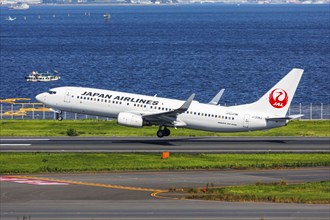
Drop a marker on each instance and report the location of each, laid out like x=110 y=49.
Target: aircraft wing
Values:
x=170 y=117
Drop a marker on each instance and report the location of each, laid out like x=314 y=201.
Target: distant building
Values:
x=12 y=2
x=33 y=2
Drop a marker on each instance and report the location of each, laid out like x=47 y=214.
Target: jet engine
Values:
x=130 y=120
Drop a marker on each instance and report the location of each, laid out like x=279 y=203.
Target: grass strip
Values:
x=110 y=128
x=313 y=193
x=11 y=163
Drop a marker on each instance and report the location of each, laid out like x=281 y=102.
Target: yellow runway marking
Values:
x=154 y=193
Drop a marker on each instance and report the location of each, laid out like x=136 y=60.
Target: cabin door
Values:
x=246 y=121
x=67 y=96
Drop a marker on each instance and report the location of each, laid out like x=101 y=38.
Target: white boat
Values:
x=107 y=16
x=9 y=18
x=41 y=77
x=19 y=6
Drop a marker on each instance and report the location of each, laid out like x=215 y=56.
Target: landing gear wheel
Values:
x=167 y=132
x=163 y=132
x=59 y=116
x=160 y=133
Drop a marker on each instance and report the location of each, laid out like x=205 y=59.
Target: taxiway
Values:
x=140 y=195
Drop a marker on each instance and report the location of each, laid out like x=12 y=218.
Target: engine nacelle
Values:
x=129 y=119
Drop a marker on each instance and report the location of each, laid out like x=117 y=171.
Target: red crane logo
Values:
x=278 y=98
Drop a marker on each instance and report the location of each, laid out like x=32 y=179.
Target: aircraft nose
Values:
x=40 y=97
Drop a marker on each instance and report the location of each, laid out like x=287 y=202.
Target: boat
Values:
x=35 y=76
x=19 y=6
x=107 y=16
x=9 y=18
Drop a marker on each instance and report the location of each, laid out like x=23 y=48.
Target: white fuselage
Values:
x=199 y=116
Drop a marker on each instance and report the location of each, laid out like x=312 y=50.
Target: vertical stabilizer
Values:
x=277 y=100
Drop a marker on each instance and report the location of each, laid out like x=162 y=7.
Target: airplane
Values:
x=135 y=110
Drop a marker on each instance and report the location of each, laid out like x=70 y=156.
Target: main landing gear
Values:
x=163 y=132
x=59 y=116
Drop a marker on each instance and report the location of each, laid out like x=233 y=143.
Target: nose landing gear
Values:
x=163 y=132
x=59 y=115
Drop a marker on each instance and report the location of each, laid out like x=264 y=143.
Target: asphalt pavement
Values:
x=172 y=144
x=141 y=195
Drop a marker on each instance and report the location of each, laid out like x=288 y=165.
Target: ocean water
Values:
x=171 y=51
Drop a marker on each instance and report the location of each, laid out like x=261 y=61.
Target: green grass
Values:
x=84 y=162
x=316 y=193
x=110 y=128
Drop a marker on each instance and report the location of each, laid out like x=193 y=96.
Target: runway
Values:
x=172 y=144
x=131 y=195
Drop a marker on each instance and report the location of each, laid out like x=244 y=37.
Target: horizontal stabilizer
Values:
x=280 y=119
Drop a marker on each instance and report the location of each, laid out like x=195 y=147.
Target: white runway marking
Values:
x=15 y=144
x=24 y=139
x=30 y=181
x=19 y=140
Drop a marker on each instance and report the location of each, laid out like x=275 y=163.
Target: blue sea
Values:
x=171 y=50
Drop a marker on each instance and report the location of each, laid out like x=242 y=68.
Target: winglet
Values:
x=216 y=99
x=187 y=103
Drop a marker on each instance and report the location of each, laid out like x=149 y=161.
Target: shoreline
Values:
x=171 y=4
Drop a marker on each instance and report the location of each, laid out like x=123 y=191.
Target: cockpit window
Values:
x=51 y=92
